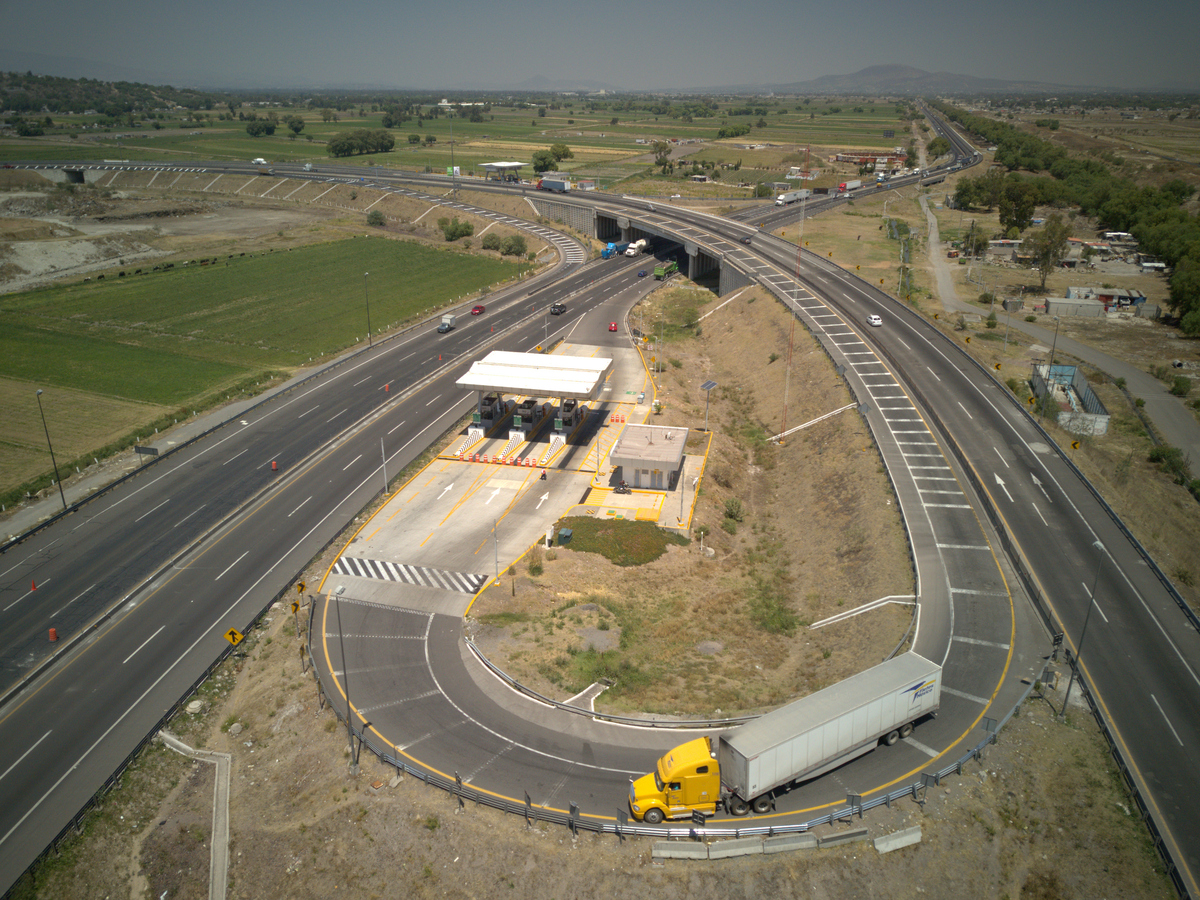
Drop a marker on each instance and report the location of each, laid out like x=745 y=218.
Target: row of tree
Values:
x=359 y=141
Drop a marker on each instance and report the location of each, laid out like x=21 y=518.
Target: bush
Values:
x=375 y=217
x=490 y=242
x=991 y=320
x=1031 y=318
x=1181 y=386
x=733 y=509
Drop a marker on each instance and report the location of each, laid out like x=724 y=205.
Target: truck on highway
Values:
x=847 y=186
x=637 y=247
x=447 y=324
x=558 y=185
x=259 y=161
x=666 y=270
x=265 y=170
x=751 y=764
x=614 y=249
x=792 y=196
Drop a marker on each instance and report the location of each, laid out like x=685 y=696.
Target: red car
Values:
x=612 y=326
x=476 y=310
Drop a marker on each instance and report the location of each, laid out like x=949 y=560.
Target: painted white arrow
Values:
x=1040 y=488
x=491 y=498
x=448 y=487
x=544 y=498
x=1003 y=488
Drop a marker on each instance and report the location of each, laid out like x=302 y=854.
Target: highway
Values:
x=1141 y=653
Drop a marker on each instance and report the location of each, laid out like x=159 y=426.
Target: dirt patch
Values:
x=797 y=533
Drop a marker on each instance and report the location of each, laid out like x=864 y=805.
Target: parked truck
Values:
x=847 y=186
x=558 y=185
x=666 y=270
x=792 y=196
x=637 y=247
x=752 y=763
x=447 y=324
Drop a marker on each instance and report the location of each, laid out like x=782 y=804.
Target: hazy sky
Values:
x=637 y=46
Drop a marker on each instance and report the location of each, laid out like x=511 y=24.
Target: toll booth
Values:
x=569 y=414
x=490 y=409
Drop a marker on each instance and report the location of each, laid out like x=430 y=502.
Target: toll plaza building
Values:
x=649 y=456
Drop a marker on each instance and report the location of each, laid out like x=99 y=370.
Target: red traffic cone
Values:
x=33 y=585
x=53 y=635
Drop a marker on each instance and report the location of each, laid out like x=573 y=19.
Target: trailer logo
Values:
x=920 y=689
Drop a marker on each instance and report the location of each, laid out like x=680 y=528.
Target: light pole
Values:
x=51 y=446
x=337 y=606
x=707 y=388
x=1083 y=633
x=1054 y=344
x=367 y=296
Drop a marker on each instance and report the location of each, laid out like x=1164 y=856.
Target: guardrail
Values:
x=619 y=823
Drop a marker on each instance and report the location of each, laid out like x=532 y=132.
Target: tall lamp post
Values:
x=1054 y=344
x=1083 y=633
x=51 y=446
x=367 y=296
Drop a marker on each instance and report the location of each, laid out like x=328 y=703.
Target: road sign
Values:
x=300 y=587
x=234 y=636
x=295 y=606
x=1074 y=445
x=997 y=367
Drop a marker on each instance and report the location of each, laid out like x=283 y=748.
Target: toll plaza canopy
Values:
x=502 y=168
x=538 y=375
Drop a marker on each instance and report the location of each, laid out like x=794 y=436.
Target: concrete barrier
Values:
x=782 y=843
x=679 y=850
x=735 y=847
x=844 y=837
x=898 y=839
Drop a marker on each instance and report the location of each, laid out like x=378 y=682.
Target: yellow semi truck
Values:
x=751 y=764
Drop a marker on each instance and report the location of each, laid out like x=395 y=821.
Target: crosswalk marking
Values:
x=421 y=576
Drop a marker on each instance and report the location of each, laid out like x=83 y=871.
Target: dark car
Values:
x=557 y=309
x=746 y=240
x=478 y=309
x=642 y=273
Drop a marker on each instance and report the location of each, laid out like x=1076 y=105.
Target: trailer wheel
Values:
x=762 y=805
x=738 y=806
x=906 y=730
x=653 y=816
x=892 y=737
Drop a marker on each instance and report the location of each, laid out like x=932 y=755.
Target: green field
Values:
x=164 y=337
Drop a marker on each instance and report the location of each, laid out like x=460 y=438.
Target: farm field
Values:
x=125 y=354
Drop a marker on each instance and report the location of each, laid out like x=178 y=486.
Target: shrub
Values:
x=1181 y=386
x=991 y=320
x=1031 y=318
x=375 y=217
x=733 y=509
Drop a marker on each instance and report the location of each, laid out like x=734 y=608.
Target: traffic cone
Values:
x=53 y=635
x=33 y=585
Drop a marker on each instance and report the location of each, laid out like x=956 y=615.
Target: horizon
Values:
x=533 y=45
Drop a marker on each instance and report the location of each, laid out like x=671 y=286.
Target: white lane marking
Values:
x=23 y=755
x=231 y=565
x=397 y=426
x=26 y=594
x=189 y=515
x=1165 y=719
x=235 y=456
x=933 y=373
x=1002 y=459
x=964 y=409
x=1040 y=516
x=965 y=696
x=155 y=509
x=352 y=462
x=305 y=413
x=1088 y=592
x=73 y=599
x=143 y=644
x=301 y=506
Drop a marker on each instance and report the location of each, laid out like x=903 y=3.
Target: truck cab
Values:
x=685 y=779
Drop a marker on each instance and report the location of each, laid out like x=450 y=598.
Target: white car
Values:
x=874 y=320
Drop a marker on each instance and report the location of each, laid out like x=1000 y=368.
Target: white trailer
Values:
x=827 y=729
x=791 y=197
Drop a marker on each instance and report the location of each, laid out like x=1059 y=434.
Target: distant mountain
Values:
x=905 y=80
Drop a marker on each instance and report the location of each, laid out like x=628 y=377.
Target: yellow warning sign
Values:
x=234 y=636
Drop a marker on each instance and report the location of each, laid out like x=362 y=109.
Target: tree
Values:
x=1017 y=202
x=453 y=229
x=662 y=152
x=561 y=151
x=613 y=121
x=294 y=123
x=430 y=140
x=514 y=245
x=414 y=139
x=939 y=146
x=1048 y=245
x=375 y=217
x=543 y=161
x=490 y=242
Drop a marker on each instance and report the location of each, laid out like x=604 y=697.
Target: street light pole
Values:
x=367 y=296
x=51 y=446
x=1055 y=344
x=1083 y=633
